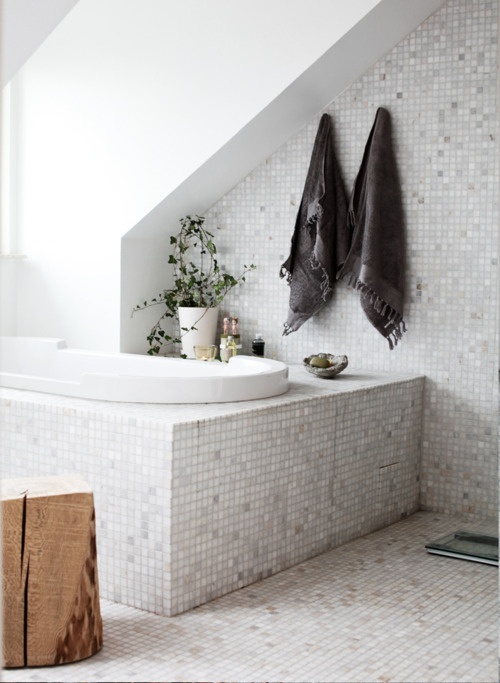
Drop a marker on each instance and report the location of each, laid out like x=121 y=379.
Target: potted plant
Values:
x=199 y=285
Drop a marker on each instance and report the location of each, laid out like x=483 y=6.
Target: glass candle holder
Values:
x=202 y=352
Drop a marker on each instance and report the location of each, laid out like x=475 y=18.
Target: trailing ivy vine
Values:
x=198 y=280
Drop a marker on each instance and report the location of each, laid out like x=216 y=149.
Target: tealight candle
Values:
x=205 y=353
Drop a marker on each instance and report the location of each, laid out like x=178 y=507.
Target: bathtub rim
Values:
x=226 y=387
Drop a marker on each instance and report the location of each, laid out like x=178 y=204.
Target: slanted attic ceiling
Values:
x=360 y=35
x=25 y=24
x=348 y=58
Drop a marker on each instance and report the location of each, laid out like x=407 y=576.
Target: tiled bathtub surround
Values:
x=440 y=86
x=195 y=501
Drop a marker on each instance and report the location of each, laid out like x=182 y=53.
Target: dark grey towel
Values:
x=376 y=261
x=320 y=238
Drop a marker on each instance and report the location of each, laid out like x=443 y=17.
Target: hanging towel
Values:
x=375 y=263
x=320 y=237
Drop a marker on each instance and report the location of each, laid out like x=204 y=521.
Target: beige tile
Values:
x=377 y=609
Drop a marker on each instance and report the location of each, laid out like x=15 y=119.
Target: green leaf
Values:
x=196 y=277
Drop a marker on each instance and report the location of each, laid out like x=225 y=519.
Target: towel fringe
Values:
x=393 y=317
x=326 y=287
x=315 y=216
x=314 y=263
x=284 y=273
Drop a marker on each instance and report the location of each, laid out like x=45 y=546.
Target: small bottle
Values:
x=229 y=349
x=258 y=345
x=229 y=325
x=234 y=331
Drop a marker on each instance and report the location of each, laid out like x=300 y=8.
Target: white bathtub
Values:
x=47 y=365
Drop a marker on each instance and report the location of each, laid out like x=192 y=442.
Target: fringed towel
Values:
x=375 y=263
x=320 y=238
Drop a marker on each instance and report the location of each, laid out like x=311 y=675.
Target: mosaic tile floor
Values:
x=378 y=609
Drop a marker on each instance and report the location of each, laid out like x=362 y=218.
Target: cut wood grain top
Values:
x=35 y=487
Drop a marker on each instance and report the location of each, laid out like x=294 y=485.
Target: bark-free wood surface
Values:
x=50 y=584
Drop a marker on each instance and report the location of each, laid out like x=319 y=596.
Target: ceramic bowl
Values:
x=336 y=365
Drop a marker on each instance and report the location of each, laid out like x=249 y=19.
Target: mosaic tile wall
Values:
x=275 y=487
x=440 y=86
x=195 y=501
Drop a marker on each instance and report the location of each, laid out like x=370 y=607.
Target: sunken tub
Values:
x=47 y=365
x=196 y=500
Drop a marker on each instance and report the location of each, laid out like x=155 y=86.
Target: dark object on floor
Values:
x=467 y=545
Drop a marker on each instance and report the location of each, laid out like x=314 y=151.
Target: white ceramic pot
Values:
x=205 y=322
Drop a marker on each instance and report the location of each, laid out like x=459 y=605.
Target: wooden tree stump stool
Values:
x=51 y=604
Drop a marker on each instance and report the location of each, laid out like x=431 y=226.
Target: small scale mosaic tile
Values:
x=195 y=501
x=379 y=609
x=440 y=86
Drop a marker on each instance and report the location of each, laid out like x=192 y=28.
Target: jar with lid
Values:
x=258 y=345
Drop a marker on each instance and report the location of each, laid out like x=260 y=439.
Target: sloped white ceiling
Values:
x=347 y=59
x=25 y=24
x=380 y=25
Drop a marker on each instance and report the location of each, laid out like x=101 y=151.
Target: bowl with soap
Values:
x=325 y=365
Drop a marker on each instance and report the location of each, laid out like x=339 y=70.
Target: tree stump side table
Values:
x=51 y=610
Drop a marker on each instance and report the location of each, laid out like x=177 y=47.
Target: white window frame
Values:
x=8 y=174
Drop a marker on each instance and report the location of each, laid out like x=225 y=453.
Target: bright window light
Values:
x=7 y=175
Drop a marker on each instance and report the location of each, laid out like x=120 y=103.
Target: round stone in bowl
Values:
x=325 y=365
